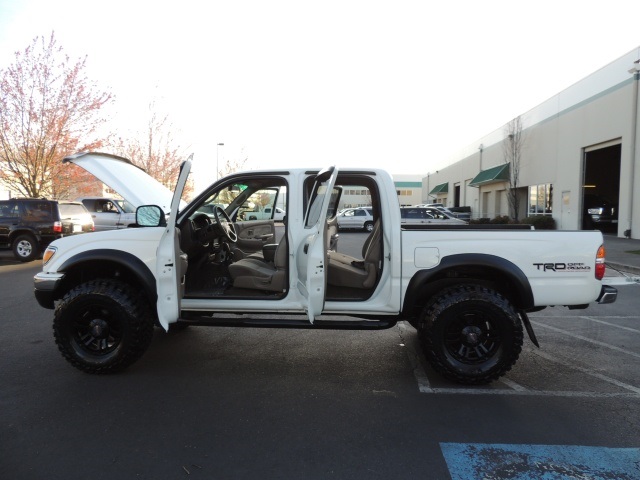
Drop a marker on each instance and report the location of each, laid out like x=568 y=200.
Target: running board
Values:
x=318 y=324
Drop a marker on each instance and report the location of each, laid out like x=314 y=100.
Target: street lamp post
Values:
x=635 y=150
x=217 y=158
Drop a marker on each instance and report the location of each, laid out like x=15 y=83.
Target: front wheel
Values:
x=102 y=326
x=25 y=248
x=471 y=334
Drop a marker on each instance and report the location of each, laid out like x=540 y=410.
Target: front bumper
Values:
x=45 y=286
x=608 y=294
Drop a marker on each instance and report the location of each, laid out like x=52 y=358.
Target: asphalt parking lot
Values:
x=269 y=403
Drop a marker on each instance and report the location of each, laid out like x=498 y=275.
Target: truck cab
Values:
x=109 y=213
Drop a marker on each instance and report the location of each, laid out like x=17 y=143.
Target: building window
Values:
x=404 y=193
x=353 y=191
x=540 y=199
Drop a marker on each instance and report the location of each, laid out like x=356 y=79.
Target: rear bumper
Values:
x=608 y=294
x=45 y=286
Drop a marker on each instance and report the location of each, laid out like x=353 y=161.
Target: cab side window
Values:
x=8 y=209
x=37 y=210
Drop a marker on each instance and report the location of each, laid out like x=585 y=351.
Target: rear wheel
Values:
x=25 y=248
x=471 y=334
x=102 y=326
x=368 y=226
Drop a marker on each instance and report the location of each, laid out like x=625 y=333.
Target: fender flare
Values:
x=13 y=234
x=508 y=270
x=128 y=261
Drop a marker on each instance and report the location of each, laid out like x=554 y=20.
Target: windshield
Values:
x=248 y=200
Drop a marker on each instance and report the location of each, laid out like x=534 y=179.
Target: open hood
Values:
x=120 y=174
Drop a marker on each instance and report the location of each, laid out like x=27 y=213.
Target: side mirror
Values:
x=150 y=216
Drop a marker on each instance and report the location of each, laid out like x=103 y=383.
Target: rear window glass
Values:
x=67 y=209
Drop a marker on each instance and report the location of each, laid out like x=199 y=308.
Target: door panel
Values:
x=253 y=235
x=171 y=263
x=332 y=234
x=312 y=251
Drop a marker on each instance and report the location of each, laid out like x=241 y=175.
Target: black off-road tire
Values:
x=103 y=326
x=26 y=248
x=471 y=334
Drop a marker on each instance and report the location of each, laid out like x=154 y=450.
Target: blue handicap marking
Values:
x=469 y=461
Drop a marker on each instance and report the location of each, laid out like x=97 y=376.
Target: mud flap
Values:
x=529 y=328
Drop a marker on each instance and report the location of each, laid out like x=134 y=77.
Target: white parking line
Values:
x=513 y=385
x=416 y=360
x=528 y=393
x=585 y=339
x=587 y=371
x=622 y=327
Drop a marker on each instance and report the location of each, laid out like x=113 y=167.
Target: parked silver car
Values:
x=427 y=215
x=109 y=213
x=464 y=215
x=360 y=218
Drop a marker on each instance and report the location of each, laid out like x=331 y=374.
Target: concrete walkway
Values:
x=618 y=254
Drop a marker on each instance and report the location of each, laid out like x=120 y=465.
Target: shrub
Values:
x=482 y=220
x=540 y=222
x=500 y=220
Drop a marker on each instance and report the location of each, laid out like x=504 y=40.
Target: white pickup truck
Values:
x=467 y=290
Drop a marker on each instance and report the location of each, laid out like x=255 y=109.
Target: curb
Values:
x=623 y=268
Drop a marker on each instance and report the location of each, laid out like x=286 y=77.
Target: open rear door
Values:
x=312 y=251
x=171 y=263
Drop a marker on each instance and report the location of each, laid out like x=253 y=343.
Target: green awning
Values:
x=491 y=175
x=442 y=188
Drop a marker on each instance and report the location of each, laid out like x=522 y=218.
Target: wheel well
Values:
x=15 y=234
x=425 y=285
x=108 y=264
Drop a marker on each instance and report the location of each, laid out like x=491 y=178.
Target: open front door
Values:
x=171 y=263
x=312 y=251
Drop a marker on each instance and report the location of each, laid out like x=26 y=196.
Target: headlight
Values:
x=595 y=211
x=48 y=254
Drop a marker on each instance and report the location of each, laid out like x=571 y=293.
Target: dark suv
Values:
x=28 y=225
x=599 y=212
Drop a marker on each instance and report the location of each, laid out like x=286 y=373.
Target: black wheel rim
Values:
x=472 y=338
x=97 y=330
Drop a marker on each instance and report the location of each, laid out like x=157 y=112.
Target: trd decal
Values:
x=562 y=267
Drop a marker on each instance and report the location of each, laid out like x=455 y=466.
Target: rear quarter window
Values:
x=37 y=211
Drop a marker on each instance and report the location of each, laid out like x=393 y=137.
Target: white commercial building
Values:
x=581 y=144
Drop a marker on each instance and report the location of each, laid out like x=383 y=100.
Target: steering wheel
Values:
x=225 y=224
x=202 y=228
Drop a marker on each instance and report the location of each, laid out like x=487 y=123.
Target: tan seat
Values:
x=348 y=271
x=257 y=274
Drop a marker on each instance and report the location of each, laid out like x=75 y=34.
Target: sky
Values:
x=400 y=85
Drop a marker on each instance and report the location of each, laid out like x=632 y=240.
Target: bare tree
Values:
x=232 y=165
x=48 y=110
x=156 y=150
x=512 y=148
x=228 y=167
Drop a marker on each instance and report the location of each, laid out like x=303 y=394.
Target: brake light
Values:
x=600 y=265
x=57 y=227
